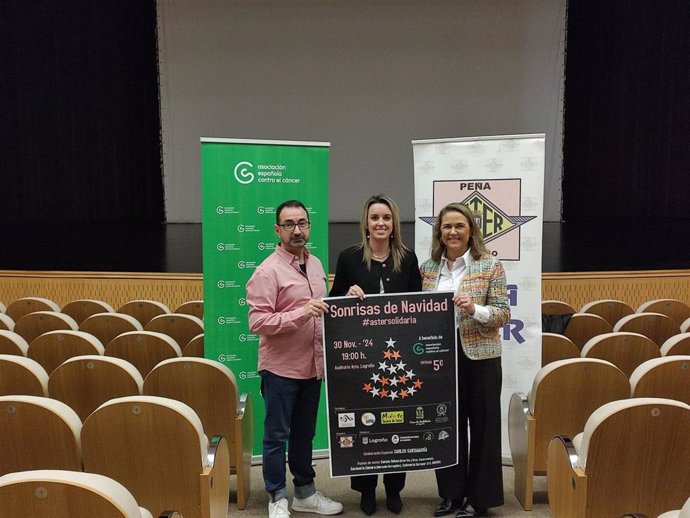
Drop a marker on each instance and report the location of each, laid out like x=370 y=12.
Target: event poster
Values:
x=391 y=382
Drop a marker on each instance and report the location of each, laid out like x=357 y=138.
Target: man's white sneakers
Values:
x=316 y=503
x=278 y=509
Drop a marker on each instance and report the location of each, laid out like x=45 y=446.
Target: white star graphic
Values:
x=391 y=369
x=410 y=374
x=374 y=392
x=390 y=342
x=393 y=394
x=401 y=366
x=394 y=382
x=383 y=366
x=411 y=390
x=375 y=378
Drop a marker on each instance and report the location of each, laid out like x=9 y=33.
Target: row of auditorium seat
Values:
x=624 y=349
x=618 y=316
x=128 y=439
x=564 y=395
x=144 y=349
x=105 y=326
x=613 y=310
x=80 y=309
x=86 y=383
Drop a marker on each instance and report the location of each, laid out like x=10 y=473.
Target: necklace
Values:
x=381 y=256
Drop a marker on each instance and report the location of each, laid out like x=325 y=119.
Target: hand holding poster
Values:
x=390 y=364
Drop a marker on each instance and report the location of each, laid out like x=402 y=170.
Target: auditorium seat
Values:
x=195 y=347
x=625 y=350
x=678 y=513
x=156 y=447
x=26 y=305
x=82 y=309
x=179 y=326
x=564 y=394
x=143 y=349
x=67 y=494
x=106 y=326
x=677 y=344
x=667 y=377
x=12 y=343
x=34 y=324
x=20 y=375
x=655 y=326
x=38 y=433
x=633 y=454
x=677 y=310
x=192 y=307
x=85 y=382
x=210 y=389
x=610 y=310
x=556 y=307
x=583 y=326
x=144 y=310
x=54 y=347
x=557 y=347
x=6 y=322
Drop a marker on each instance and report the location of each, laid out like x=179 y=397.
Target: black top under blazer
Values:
x=352 y=270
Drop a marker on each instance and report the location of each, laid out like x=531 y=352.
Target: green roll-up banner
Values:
x=243 y=182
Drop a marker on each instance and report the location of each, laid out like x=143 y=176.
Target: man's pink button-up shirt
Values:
x=290 y=343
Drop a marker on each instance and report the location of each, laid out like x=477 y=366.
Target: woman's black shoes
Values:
x=393 y=502
x=368 y=502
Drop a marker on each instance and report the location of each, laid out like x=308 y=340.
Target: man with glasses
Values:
x=284 y=296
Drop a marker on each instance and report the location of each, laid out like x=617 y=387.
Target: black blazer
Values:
x=351 y=270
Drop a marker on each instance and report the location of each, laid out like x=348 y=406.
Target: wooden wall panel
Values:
x=633 y=287
x=113 y=288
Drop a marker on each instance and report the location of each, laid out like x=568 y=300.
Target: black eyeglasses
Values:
x=290 y=225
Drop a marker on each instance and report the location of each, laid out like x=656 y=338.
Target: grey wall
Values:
x=368 y=76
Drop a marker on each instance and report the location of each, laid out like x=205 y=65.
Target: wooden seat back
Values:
x=557 y=347
x=38 y=433
x=26 y=305
x=179 y=326
x=20 y=375
x=192 y=307
x=66 y=494
x=667 y=377
x=12 y=343
x=156 y=447
x=625 y=350
x=54 y=347
x=655 y=326
x=195 y=347
x=636 y=455
x=143 y=349
x=584 y=326
x=81 y=309
x=86 y=382
x=610 y=310
x=677 y=344
x=33 y=325
x=677 y=310
x=144 y=310
x=106 y=326
x=210 y=389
